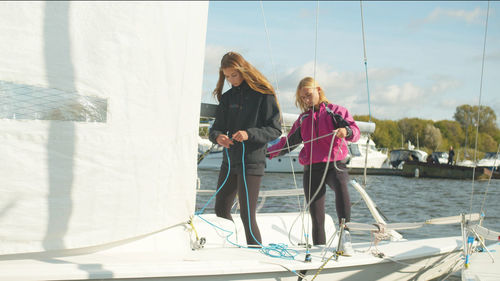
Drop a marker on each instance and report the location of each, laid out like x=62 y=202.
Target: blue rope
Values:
x=281 y=249
x=273 y=250
x=218 y=189
x=246 y=191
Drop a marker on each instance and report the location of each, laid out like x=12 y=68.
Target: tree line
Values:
x=431 y=136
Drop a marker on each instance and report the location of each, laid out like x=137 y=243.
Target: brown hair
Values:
x=308 y=82
x=250 y=74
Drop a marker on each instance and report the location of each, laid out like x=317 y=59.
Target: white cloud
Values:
x=331 y=81
x=443 y=84
x=475 y=16
x=385 y=74
x=339 y=87
x=407 y=95
x=495 y=56
x=388 y=99
x=349 y=88
x=491 y=56
x=213 y=55
x=306 y=14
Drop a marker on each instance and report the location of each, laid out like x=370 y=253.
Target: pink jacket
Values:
x=323 y=125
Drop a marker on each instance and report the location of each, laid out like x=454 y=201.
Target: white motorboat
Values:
x=465 y=163
x=399 y=156
x=490 y=160
x=358 y=150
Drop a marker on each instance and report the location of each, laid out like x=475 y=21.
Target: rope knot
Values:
x=380 y=234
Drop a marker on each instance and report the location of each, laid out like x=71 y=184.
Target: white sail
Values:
x=72 y=184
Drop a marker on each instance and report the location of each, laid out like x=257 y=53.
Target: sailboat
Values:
x=98 y=170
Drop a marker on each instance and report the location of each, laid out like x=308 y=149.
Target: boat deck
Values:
x=482 y=267
x=219 y=260
x=227 y=264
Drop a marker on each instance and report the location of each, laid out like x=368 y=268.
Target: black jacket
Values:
x=242 y=108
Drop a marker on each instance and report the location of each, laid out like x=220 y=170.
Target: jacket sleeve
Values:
x=356 y=133
x=219 y=126
x=294 y=138
x=272 y=127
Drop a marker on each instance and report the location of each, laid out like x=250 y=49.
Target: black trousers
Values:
x=336 y=180
x=225 y=198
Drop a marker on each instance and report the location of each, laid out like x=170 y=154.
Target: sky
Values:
x=424 y=58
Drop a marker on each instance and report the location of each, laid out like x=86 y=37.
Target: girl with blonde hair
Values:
x=314 y=128
x=247 y=118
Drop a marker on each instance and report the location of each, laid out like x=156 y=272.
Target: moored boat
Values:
x=445 y=171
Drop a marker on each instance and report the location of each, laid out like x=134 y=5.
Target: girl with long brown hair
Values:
x=247 y=119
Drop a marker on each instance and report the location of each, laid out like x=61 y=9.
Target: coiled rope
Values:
x=273 y=250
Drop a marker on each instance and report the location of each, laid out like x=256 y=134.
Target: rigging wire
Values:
x=365 y=59
x=312 y=118
x=273 y=65
x=299 y=204
x=489 y=181
x=479 y=104
x=270 y=49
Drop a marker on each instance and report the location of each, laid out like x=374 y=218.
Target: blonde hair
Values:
x=308 y=82
x=250 y=74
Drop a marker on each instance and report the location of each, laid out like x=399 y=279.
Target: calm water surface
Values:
x=400 y=199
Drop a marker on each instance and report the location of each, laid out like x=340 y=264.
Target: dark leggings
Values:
x=225 y=198
x=336 y=180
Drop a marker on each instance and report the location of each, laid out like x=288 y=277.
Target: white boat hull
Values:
x=420 y=259
x=288 y=163
x=281 y=164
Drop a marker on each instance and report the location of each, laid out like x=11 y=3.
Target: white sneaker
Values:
x=346 y=245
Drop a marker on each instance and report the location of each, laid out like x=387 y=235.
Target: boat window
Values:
x=20 y=101
x=415 y=156
x=399 y=155
x=440 y=154
x=491 y=155
x=354 y=149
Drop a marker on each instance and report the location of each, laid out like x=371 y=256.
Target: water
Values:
x=400 y=199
